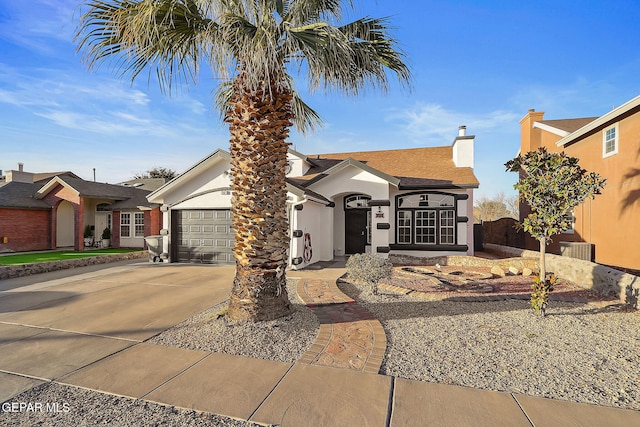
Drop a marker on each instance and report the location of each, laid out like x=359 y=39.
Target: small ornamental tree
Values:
x=552 y=184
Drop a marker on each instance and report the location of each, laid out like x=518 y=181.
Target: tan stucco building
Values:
x=610 y=146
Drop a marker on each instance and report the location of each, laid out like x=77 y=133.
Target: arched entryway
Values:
x=65 y=225
x=357 y=223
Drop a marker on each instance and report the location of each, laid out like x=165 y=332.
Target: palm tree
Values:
x=255 y=47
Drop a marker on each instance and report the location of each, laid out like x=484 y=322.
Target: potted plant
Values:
x=106 y=237
x=88 y=235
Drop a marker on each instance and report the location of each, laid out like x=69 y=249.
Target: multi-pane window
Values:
x=610 y=141
x=125 y=224
x=426 y=219
x=426 y=227
x=139 y=224
x=447 y=227
x=404 y=227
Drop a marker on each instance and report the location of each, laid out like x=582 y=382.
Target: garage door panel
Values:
x=205 y=236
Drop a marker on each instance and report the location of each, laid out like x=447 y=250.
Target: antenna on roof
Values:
x=94 y=174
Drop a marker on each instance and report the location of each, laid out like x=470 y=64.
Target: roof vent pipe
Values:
x=462 y=131
x=21 y=167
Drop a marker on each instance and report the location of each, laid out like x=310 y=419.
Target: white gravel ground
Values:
x=284 y=340
x=578 y=352
x=77 y=407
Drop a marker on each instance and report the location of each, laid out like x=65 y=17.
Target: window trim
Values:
x=438 y=225
x=127 y=224
x=571 y=230
x=616 y=141
x=356 y=198
x=137 y=215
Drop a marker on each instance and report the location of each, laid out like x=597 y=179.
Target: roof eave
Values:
x=154 y=195
x=600 y=121
x=40 y=194
x=355 y=163
x=551 y=129
x=435 y=187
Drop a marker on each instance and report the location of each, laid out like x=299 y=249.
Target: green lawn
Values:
x=57 y=256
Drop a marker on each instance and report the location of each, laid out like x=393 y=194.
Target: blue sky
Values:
x=477 y=63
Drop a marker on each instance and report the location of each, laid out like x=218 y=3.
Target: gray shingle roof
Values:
x=21 y=195
x=151 y=184
x=99 y=190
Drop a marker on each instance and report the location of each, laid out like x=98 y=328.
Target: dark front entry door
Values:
x=355 y=230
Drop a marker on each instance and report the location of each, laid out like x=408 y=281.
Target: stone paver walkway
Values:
x=350 y=337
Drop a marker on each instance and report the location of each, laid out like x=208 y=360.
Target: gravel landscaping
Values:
x=578 y=352
x=76 y=407
x=283 y=340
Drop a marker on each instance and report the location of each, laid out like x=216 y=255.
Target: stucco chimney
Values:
x=20 y=175
x=530 y=137
x=463 y=151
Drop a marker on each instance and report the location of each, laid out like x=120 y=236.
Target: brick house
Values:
x=606 y=229
x=49 y=211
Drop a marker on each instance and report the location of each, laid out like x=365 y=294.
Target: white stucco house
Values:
x=416 y=201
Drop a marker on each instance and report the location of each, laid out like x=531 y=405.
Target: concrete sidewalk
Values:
x=88 y=331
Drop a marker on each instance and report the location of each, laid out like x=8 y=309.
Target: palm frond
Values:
x=348 y=58
x=307 y=11
x=169 y=37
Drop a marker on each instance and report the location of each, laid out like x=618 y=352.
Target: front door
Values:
x=355 y=230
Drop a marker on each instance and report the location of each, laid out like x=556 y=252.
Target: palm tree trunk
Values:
x=259 y=122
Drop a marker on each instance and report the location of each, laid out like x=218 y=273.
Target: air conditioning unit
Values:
x=579 y=250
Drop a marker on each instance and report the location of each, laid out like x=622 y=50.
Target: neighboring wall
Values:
x=25 y=230
x=604 y=280
x=503 y=232
x=610 y=221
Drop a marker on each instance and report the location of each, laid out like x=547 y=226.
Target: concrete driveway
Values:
x=49 y=328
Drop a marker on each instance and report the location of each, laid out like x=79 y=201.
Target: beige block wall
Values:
x=604 y=280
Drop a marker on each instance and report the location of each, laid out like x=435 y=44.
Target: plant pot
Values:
x=88 y=241
x=106 y=243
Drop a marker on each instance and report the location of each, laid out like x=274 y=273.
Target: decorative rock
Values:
x=527 y=272
x=514 y=271
x=498 y=271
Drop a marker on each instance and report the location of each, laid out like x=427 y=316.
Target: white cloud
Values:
x=432 y=123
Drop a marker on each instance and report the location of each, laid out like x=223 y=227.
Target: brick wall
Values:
x=25 y=229
x=155 y=222
x=115 y=230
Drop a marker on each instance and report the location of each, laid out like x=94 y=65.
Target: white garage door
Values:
x=204 y=236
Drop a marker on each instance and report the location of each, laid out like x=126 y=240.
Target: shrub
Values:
x=369 y=269
x=106 y=233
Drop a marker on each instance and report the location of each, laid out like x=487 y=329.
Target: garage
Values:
x=203 y=236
